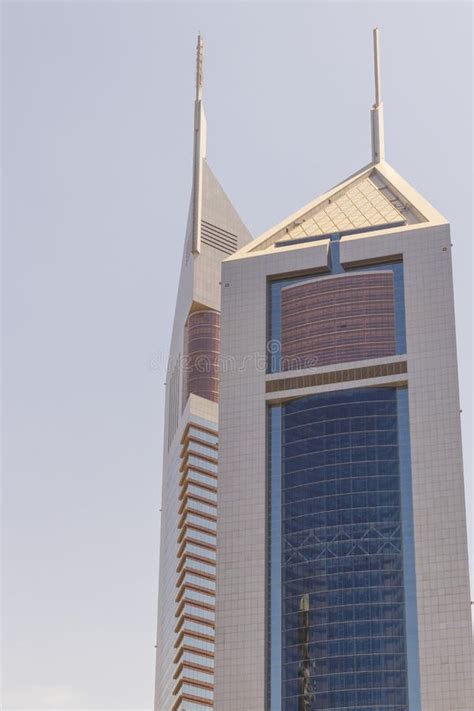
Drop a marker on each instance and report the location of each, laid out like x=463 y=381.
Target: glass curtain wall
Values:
x=342 y=590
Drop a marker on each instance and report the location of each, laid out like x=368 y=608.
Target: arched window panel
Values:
x=201 y=366
x=337 y=319
x=348 y=316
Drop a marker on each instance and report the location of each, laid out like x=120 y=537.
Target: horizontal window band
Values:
x=194 y=603
x=195 y=682
x=201 y=577
x=196 y=541
x=191 y=500
x=198 y=620
x=190 y=676
x=194 y=439
x=336 y=376
x=182 y=703
x=206 y=439
x=206 y=636
x=199 y=465
x=211 y=456
x=205 y=496
x=184 y=651
x=207 y=521
x=186 y=647
x=202 y=551
x=193 y=618
x=183 y=561
x=208 y=656
x=191 y=532
x=188 y=476
x=207 y=493
x=193 y=690
x=197 y=426
x=190 y=503
x=192 y=666
x=197 y=701
x=200 y=611
x=191 y=560
x=188 y=594
x=197 y=589
x=194 y=637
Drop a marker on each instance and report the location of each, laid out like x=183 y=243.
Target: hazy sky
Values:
x=97 y=137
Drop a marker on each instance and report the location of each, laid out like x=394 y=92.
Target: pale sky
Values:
x=97 y=139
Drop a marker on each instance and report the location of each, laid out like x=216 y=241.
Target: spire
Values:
x=199 y=60
x=376 y=113
x=199 y=149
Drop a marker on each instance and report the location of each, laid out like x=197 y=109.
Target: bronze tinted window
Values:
x=337 y=319
x=201 y=367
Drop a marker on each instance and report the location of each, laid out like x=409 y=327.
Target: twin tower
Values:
x=313 y=538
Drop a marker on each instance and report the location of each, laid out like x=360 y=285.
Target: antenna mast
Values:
x=376 y=113
x=199 y=67
x=199 y=149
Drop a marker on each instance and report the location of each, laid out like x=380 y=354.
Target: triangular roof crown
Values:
x=375 y=198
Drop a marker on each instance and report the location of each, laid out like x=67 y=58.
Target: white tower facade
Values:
x=343 y=570
x=186 y=607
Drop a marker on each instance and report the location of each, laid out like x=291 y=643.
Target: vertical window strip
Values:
x=275 y=667
x=408 y=541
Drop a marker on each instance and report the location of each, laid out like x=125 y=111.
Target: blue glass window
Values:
x=342 y=590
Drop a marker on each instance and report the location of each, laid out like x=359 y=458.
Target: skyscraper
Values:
x=337 y=497
x=186 y=606
x=342 y=558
